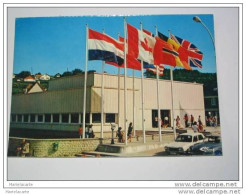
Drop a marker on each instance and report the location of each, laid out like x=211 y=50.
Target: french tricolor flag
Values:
x=104 y=47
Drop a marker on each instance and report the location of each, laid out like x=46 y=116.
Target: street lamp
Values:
x=112 y=128
x=197 y=19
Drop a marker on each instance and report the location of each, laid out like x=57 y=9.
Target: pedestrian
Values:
x=214 y=121
x=191 y=120
x=200 y=126
x=87 y=131
x=165 y=121
x=156 y=122
x=91 y=132
x=210 y=121
x=186 y=118
x=23 y=149
x=129 y=132
x=178 y=122
x=80 y=131
x=119 y=134
x=123 y=136
x=199 y=119
x=194 y=127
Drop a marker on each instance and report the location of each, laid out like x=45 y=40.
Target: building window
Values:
x=32 y=118
x=19 y=118
x=213 y=101
x=55 y=118
x=40 y=118
x=13 y=118
x=75 y=118
x=96 y=117
x=47 y=118
x=25 y=118
x=87 y=118
x=110 y=118
x=65 y=118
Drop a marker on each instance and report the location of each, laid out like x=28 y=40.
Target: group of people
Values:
x=163 y=124
x=197 y=126
x=121 y=135
x=89 y=133
x=211 y=121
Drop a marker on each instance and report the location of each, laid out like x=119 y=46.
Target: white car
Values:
x=183 y=143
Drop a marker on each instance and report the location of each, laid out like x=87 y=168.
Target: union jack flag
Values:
x=188 y=52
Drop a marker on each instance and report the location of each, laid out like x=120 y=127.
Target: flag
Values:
x=140 y=44
x=131 y=61
x=175 y=47
x=152 y=68
x=104 y=47
x=188 y=52
x=164 y=53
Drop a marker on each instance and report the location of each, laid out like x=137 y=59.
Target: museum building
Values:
x=60 y=108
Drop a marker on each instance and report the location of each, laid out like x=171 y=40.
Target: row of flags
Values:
x=142 y=45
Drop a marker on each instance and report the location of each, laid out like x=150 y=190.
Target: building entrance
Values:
x=164 y=113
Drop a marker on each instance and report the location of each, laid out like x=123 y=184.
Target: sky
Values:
x=56 y=44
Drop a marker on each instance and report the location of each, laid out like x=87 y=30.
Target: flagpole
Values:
x=118 y=91
x=102 y=97
x=125 y=87
x=142 y=93
x=133 y=101
x=85 y=79
x=158 y=97
x=171 y=77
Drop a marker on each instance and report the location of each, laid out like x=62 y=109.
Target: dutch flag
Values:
x=104 y=47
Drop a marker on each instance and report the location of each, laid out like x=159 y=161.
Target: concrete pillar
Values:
x=60 y=118
x=79 y=118
x=69 y=118
x=36 y=118
x=90 y=118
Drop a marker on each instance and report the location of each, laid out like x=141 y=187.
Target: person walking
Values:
x=178 y=122
x=119 y=134
x=165 y=121
x=191 y=120
x=195 y=127
x=87 y=131
x=129 y=132
x=200 y=126
x=80 y=131
x=186 y=118
x=91 y=132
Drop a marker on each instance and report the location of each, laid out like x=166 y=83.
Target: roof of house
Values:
x=38 y=75
x=29 y=77
x=30 y=86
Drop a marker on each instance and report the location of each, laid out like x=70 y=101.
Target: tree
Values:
x=67 y=73
x=23 y=74
x=77 y=71
x=209 y=80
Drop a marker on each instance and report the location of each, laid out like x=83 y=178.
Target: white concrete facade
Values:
x=65 y=96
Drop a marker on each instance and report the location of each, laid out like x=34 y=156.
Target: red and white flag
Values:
x=140 y=44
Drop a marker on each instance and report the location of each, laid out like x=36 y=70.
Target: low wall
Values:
x=69 y=147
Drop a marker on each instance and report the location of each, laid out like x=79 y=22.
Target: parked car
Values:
x=183 y=143
x=212 y=146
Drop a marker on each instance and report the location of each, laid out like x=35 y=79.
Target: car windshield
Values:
x=184 y=138
x=214 y=139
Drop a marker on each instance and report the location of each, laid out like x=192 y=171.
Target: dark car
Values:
x=211 y=147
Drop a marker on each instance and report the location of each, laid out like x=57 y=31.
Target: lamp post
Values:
x=197 y=19
x=112 y=128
